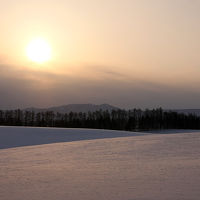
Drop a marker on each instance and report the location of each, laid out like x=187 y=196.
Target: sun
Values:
x=38 y=50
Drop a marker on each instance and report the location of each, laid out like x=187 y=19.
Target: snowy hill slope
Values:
x=148 y=167
x=25 y=136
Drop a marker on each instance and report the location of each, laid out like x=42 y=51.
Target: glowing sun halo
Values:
x=38 y=50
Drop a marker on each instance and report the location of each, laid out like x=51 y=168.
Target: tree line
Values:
x=131 y=120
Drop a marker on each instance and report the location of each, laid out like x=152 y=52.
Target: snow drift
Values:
x=148 y=167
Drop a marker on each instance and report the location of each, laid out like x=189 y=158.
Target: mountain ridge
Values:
x=94 y=107
x=74 y=108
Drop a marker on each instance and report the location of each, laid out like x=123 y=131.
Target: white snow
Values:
x=147 y=167
x=26 y=136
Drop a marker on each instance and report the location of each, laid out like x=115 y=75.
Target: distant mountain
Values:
x=75 y=108
x=187 y=111
x=93 y=107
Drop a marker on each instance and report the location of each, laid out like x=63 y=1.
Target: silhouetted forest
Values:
x=132 y=120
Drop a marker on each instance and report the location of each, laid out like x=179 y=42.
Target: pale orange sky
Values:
x=130 y=53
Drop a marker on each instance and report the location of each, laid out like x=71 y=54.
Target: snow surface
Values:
x=26 y=136
x=148 y=167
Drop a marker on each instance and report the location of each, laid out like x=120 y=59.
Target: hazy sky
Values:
x=129 y=53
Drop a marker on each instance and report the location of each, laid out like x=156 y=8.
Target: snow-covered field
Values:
x=25 y=136
x=78 y=164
